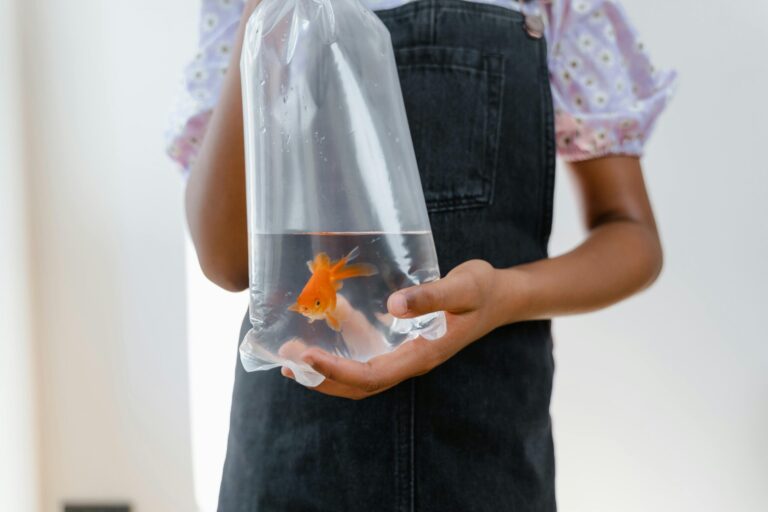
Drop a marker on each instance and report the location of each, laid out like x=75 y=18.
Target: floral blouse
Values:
x=606 y=93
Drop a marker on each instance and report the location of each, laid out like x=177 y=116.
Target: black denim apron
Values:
x=475 y=433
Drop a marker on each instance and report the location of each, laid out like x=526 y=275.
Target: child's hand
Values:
x=467 y=294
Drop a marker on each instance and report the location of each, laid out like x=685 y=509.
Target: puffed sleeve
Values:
x=607 y=94
x=202 y=79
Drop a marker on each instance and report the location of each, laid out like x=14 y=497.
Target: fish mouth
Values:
x=309 y=313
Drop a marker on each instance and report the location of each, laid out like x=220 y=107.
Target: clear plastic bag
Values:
x=336 y=213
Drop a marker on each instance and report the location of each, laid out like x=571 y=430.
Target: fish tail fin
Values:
x=353 y=253
x=339 y=264
x=355 y=270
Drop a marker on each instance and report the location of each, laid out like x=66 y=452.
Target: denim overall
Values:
x=474 y=434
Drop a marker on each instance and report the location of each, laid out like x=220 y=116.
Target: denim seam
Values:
x=549 y=144
x=398 y=490
x=432 y=22
x=406 y=11
x=441 y=67
x=492 y=70
x=413 y=445
x=465 y=199
x=403 y=450
x=409 y=15
x=496 y=130
x=501 y=16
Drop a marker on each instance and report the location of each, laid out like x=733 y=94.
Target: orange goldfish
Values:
x=317 y=300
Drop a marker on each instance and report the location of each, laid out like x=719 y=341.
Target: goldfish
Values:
x=317 y=300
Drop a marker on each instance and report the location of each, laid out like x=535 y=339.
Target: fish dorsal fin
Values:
x=322 y=259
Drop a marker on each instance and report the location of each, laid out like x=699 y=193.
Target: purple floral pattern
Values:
x=606 y=92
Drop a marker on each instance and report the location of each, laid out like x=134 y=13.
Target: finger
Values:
x=355 y=380
x=413 y=358
x=356 y=323
x=333 y=388
x=454 y=293
x=329 y=387
x=292 y=349
x=384 y=318
x=362 y=338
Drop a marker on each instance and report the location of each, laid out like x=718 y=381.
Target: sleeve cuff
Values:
x=184 y=143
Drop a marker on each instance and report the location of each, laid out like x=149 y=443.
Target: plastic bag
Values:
x=336 y=213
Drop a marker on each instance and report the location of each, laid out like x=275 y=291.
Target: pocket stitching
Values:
x=492 y=68
x=494 y=157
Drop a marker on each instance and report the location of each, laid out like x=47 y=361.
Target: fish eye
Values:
x=317 y=302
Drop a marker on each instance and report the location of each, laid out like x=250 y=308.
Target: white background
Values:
x=660 y=403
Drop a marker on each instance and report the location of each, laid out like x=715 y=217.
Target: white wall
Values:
x=214 y=317
x=109 y=315
x=661 y=403
x=18 y=430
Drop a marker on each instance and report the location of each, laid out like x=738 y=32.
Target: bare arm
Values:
x=215 y=193
x=620 y=256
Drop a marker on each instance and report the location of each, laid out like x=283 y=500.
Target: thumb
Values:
x=446 y=294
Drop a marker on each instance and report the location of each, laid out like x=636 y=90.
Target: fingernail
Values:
x=398 y=304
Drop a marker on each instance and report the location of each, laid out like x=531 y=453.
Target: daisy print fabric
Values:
x=203 y=78
x=606 y=92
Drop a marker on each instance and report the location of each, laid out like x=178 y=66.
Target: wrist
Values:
x=512 y=294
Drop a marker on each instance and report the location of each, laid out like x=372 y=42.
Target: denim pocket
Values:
x=453 y=98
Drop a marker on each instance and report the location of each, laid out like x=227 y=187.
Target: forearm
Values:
x=621 y=255
x=617 y=260
x=215 y=192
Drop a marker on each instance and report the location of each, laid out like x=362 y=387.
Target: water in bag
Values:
x=336 y=213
